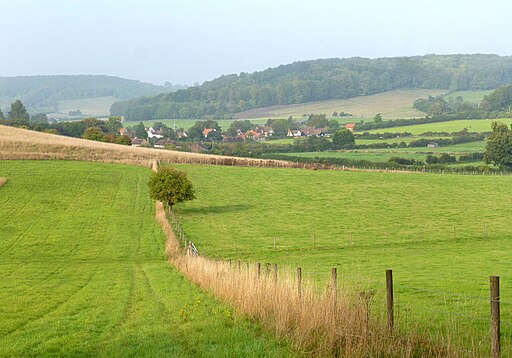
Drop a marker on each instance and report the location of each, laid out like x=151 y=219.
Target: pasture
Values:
x=372 y=156
x=92 y=107
x=443 y=235
x=392 y=104
x=473 y=125
x=83 y=272
x=469 y=96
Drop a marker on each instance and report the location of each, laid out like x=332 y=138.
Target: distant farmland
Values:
x=393 y=104
x=94 y=107
x=473 y=125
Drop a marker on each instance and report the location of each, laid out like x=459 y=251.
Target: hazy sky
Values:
x=192 y=41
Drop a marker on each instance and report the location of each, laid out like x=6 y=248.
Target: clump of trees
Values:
x=170 y=186
x=343 y=139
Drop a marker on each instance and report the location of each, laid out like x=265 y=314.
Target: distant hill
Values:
x=320 y=80
x=43 y=93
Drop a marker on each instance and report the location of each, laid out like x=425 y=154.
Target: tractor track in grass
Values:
x=53 y=308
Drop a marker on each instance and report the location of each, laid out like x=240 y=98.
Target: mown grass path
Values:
x=83 y=272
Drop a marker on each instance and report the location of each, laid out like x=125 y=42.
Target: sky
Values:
x=191 y=41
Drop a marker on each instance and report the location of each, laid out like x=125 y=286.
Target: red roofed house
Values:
x=207 y=131
x=350 y=126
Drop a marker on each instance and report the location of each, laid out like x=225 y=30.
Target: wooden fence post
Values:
x=258 y=270
x=299 y=281
x=495 y=316
x=275 y=274
x=389 y=295
x=334 y=282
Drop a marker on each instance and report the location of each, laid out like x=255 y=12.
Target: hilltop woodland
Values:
x=318 y=80
x=42 y=93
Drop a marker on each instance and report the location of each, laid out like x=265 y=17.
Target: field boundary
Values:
x=324 y=322
x=323 y=285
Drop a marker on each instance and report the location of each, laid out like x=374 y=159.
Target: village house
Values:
x=152 y=133
x=294 y=133
x=139 y=142
x=350 y=126
x=310 y=132
x=198 y=148
x=432 y=145
x=162 y=143
x=207 y=131
x=180 y=133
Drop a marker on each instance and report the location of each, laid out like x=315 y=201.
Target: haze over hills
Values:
x=319 y=80
x=43 y=93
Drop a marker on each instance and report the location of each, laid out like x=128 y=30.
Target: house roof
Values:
x=350 y=125
x=207 y=131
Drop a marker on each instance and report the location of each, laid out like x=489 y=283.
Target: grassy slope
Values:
x=470 y=96
x=406 y=222
x=392 y=104
x=83 y=272
x=383 y=155
x=99 y=106
x=476 y=125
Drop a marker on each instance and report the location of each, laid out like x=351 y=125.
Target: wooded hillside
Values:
x=41 y=93
x=309 y=81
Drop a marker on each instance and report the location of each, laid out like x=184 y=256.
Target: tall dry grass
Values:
x=326 y=324
x=16 y=143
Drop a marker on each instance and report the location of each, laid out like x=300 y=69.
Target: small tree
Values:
x=170 y=186
x=498 y=150
x=377 y=118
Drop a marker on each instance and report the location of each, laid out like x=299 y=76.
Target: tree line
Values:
x=308 y=81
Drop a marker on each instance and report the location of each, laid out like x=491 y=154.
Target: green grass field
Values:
x=469 y=96
x=392 y=104
x=360 y=155
x=83 y=272
x=475 y=125
x=99 y=106
x=443 y=235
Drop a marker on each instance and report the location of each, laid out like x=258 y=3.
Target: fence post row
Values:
x=389 y=296
x=495 y=316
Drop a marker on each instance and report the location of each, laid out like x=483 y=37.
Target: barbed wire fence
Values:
x=447 y=316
